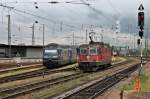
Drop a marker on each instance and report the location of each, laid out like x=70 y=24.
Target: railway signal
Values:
x=141 y=34
x=141 y=28
x=141 y=7
x=138 y=41
x=141 y=19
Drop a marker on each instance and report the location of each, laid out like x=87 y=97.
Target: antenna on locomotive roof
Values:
x=91 y=34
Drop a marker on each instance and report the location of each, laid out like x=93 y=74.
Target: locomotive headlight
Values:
x=54 y=56
x=77 y=57
x=88 y=58
x=97 y=59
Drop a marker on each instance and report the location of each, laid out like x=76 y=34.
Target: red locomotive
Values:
x=94 y=56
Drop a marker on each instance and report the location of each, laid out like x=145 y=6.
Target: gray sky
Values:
x=72 y=16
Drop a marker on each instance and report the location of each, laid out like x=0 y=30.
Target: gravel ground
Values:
x=114 y=92
x=36 y=79
x=145 y=90
x=31 y=80
x=61 y=88
x=12 y=65
x=7 y=65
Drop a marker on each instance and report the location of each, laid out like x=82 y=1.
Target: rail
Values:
x=100 y=86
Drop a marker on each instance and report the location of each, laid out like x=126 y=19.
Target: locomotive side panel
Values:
x=58 y=55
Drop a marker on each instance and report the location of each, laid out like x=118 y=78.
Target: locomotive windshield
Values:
x=50 y=54
x=90 y=51
x=93 y=51
x=83 y=51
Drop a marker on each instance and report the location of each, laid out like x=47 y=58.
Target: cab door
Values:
x=60 y=57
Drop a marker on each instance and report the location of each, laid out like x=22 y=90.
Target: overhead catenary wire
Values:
x=99 y=12
x=20 y=27
x=114 y=8
x=70 y=2
x=32 y=2
x=76 y=14
x=64 y=23
x=23 y=26
x=43 y=18
x=40 y=17
x=28 y=17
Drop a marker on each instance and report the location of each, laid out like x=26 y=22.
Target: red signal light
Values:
x=141 y=19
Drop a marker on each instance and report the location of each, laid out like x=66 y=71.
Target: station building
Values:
x=25 y=51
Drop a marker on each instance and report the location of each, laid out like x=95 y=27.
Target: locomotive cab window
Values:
x=93 y=51
x=50 y=54
x=83 y=51
x=99 y=51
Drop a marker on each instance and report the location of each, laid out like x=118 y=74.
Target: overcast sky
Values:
x=74 y=18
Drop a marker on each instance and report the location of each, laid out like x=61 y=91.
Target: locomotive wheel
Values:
x=109 y=65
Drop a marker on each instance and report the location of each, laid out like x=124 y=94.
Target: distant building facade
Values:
x=26 y=51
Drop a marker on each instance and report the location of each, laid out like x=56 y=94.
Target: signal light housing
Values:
x=141 y=34
x=138 y=41
x=141 y=19
x=141 y=28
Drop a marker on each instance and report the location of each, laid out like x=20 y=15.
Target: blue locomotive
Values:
x=55 y=55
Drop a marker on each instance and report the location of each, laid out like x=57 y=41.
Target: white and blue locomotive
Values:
x=55 y=55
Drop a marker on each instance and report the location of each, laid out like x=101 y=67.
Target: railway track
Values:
x=32 y=74
x=100 y=86
x=28 y=88
x=40 y=72
x=25 y=89
x=22 y=90
x=12 y=65
x=20 y=68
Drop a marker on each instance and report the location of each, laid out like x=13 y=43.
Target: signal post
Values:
x=139 y=42
x=141 y=29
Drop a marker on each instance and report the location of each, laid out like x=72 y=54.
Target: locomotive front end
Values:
x=50 y=58
x=89 y=58
x=94 y=56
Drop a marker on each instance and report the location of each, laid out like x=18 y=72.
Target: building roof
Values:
x=55 y=45
x=27 y=46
